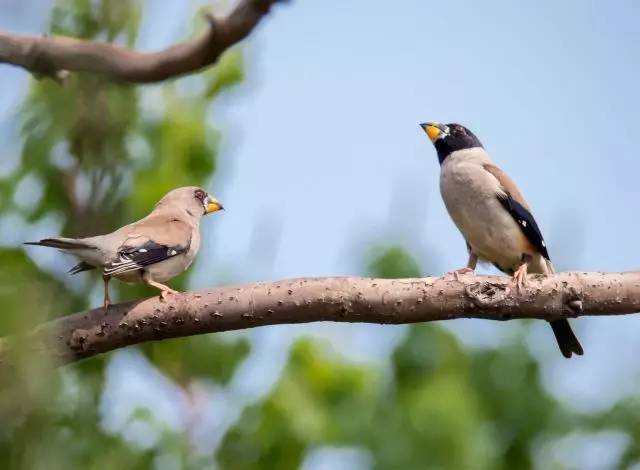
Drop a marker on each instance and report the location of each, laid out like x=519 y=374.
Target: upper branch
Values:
x=51 y=55
x=346 y=299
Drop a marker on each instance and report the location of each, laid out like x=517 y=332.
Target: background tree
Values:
x=93 y=159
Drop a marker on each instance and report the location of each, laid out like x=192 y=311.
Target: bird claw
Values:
x=457 y=272
x=165 y=293
x=520 y=276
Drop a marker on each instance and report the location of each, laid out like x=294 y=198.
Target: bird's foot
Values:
x=520 y=276
x=107 y=299
x=456 y=274
x=165 y=293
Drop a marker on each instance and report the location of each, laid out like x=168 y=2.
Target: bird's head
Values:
x=448 y=138
x=194 y=200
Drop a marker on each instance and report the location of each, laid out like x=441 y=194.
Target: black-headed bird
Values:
x=151 y=250
x=492 y=215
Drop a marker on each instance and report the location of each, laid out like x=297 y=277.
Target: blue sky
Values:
x=322 y=156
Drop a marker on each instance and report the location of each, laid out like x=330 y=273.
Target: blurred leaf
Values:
x=393 y=263
x=318 y=399
x=228 y=72
x=100 y=159
x=208 y=356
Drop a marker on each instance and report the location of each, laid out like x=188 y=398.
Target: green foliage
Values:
x=429 y=417
x=94 y=158
x=25 y=288
x=319 y=399
x=207 y=356
x=90 y=20
x=182 y=149
x=394 y=263
x=229 y=72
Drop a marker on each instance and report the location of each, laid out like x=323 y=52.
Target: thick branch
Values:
x=51 y=55
x=346 y=299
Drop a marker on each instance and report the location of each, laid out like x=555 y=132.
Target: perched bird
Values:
x=492 y=214
x=151 y=250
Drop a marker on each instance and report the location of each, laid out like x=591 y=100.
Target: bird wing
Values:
x=150 y=241
x=512 y=200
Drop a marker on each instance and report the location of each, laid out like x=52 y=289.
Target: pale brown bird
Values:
x=151 y=250
x=491 y=214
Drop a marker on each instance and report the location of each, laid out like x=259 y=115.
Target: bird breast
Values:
x=470 y=196
x=169 y=268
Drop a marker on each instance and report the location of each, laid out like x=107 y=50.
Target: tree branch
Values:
x=53 y=56
x=346 y=299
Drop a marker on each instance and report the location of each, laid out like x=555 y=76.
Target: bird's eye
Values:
x=199 y=194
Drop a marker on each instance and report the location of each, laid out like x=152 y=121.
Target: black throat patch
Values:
x=459 y=138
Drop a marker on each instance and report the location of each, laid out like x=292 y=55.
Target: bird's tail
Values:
x=566 y=338
x=77 y=246
x=64 y=243
x=81 y=266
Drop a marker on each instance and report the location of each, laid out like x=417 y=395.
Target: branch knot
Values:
x=486 y=294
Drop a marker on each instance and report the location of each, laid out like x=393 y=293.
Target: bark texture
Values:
x=345 y=299
x=55 y=56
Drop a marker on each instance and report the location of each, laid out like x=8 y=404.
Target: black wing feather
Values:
x=526 y=222
x=135 y=258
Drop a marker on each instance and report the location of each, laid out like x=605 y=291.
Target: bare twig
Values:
x=347 y=299
x=54 y=56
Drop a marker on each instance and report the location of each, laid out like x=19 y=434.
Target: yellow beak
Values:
x=433 y=129
x=214 y=206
